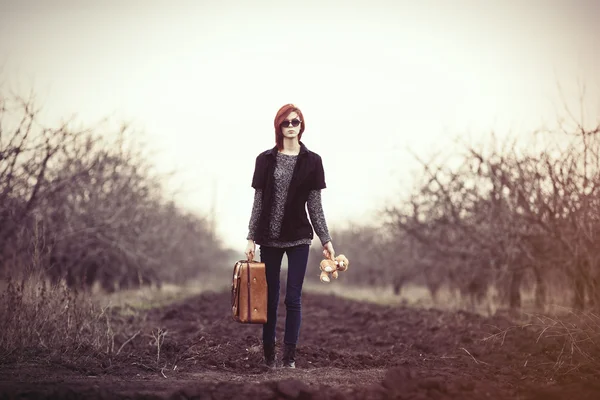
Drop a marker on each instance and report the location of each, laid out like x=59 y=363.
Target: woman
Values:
x=286 y=179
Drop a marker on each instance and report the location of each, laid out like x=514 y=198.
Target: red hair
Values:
x=280 y=117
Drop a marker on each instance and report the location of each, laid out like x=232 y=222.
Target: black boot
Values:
x=269 y=351
x=289 y=356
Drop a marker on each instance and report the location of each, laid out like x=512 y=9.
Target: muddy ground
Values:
x=347 y=350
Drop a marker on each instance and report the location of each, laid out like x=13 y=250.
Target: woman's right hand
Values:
x=250 y=249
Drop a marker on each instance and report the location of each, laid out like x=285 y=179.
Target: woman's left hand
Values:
x=328 y=251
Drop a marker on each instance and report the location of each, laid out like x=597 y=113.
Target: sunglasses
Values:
x=294 y=122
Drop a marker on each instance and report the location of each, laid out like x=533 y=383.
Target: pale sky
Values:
x=204 y=79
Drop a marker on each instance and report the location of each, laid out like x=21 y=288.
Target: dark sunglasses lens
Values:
x=295 y=122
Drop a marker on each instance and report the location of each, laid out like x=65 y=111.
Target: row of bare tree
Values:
x=504 y=215
x=86 y=209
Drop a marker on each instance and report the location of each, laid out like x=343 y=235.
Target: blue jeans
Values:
x=297 y=260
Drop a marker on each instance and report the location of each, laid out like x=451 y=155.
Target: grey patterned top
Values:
x=284 y=167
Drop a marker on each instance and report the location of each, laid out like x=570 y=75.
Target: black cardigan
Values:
x=308 y=175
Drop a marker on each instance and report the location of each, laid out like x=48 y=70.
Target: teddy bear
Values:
x=328 y=266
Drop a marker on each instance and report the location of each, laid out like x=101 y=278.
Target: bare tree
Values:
x=102 y=209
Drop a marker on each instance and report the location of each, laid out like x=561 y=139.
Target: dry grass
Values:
x=412 y=295
x=134 y=301
x=42 y=321
x=568 y=337
x=577 y=334
x=415 y=295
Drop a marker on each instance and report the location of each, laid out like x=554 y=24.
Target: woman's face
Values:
x=291 y=130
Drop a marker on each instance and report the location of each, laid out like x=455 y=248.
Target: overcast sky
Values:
x=204 y=79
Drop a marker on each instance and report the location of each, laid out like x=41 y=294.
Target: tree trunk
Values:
x=578 y=292
x=594 y=292
x=540 y=290
x=397 y=285
x=515 y=289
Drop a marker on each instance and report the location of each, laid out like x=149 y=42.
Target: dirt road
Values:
x=348 y=350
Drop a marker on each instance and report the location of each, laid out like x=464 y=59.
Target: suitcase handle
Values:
x=235 y=284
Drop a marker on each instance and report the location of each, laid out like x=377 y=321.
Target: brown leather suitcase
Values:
x=249 y=292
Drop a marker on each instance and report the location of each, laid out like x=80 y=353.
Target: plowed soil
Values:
x=347 y=350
